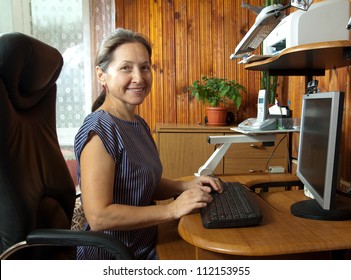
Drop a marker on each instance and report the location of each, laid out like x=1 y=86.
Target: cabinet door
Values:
x=182 y=153
x=243 y=157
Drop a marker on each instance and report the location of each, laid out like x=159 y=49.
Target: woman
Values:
x=119 y=167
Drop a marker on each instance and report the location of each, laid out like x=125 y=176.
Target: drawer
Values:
x=258 y=150
x=243 y=157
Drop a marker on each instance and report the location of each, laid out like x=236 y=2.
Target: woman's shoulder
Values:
x=97 y=115
x=103 y=120
x=97 y=121
x=98 y=118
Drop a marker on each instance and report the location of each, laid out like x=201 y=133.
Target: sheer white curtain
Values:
x=75 y=28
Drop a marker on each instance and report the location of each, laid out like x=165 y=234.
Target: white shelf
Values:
x=272 y=131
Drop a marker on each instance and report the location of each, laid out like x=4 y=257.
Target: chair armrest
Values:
x=61 y=237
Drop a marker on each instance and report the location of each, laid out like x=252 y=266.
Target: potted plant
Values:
x=216 y=92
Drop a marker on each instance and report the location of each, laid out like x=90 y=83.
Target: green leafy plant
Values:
x=269 y=83
x=217 y=91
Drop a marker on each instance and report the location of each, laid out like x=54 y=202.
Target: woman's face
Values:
x=128 y=77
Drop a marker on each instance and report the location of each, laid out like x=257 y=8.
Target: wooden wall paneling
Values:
x=131 y=16
x=169 y=94
x=283 y=83
x=194 y=56
x=143 y=22
x=181 y=56
x=205 y=41
x=190 y=39
x=143 y=26
x=156 y=95
x=230 y=37
x=205 y=64
x=119 y=13
x=217 y=38
x=346 y=144
x=231 y=21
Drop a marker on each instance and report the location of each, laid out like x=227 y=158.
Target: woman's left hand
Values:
x=206 y=183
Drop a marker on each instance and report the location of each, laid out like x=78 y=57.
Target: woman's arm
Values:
x=97 y=184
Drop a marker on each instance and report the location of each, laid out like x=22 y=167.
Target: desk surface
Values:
x=280 y=233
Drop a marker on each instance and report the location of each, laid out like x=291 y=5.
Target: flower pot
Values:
x=216 y=116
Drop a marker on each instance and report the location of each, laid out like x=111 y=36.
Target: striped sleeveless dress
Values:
x=138 y=170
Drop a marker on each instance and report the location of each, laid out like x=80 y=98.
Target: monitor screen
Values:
x=313 y=156
x=319 y=149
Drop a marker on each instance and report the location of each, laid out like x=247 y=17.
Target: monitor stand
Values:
x=310 y=209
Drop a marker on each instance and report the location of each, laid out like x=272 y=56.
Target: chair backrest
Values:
x=36 y=189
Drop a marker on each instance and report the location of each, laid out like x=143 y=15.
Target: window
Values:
x=65 y=25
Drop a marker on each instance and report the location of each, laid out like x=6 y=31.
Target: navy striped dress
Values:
x=138 y=171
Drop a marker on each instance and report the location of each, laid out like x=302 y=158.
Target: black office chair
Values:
x=37 y=194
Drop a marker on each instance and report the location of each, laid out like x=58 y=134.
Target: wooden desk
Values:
x=281 y=235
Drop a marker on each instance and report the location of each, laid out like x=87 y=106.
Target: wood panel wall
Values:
x=192 y=38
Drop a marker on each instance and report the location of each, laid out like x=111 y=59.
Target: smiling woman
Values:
x=118 y=162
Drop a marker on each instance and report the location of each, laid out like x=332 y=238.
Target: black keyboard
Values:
x=236 y=206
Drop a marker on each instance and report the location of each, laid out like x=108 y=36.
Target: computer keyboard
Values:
x=236 y=206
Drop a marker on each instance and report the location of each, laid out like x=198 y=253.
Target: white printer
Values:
x=324 y=21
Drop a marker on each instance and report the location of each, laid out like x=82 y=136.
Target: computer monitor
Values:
x=318 y=157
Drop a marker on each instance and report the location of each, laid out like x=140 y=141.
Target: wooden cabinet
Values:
x=255 y=157
x=184 y=148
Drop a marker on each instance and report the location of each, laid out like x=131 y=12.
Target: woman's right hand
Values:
x=189 y=201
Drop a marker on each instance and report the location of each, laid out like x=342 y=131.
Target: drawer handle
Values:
x=259 y=147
